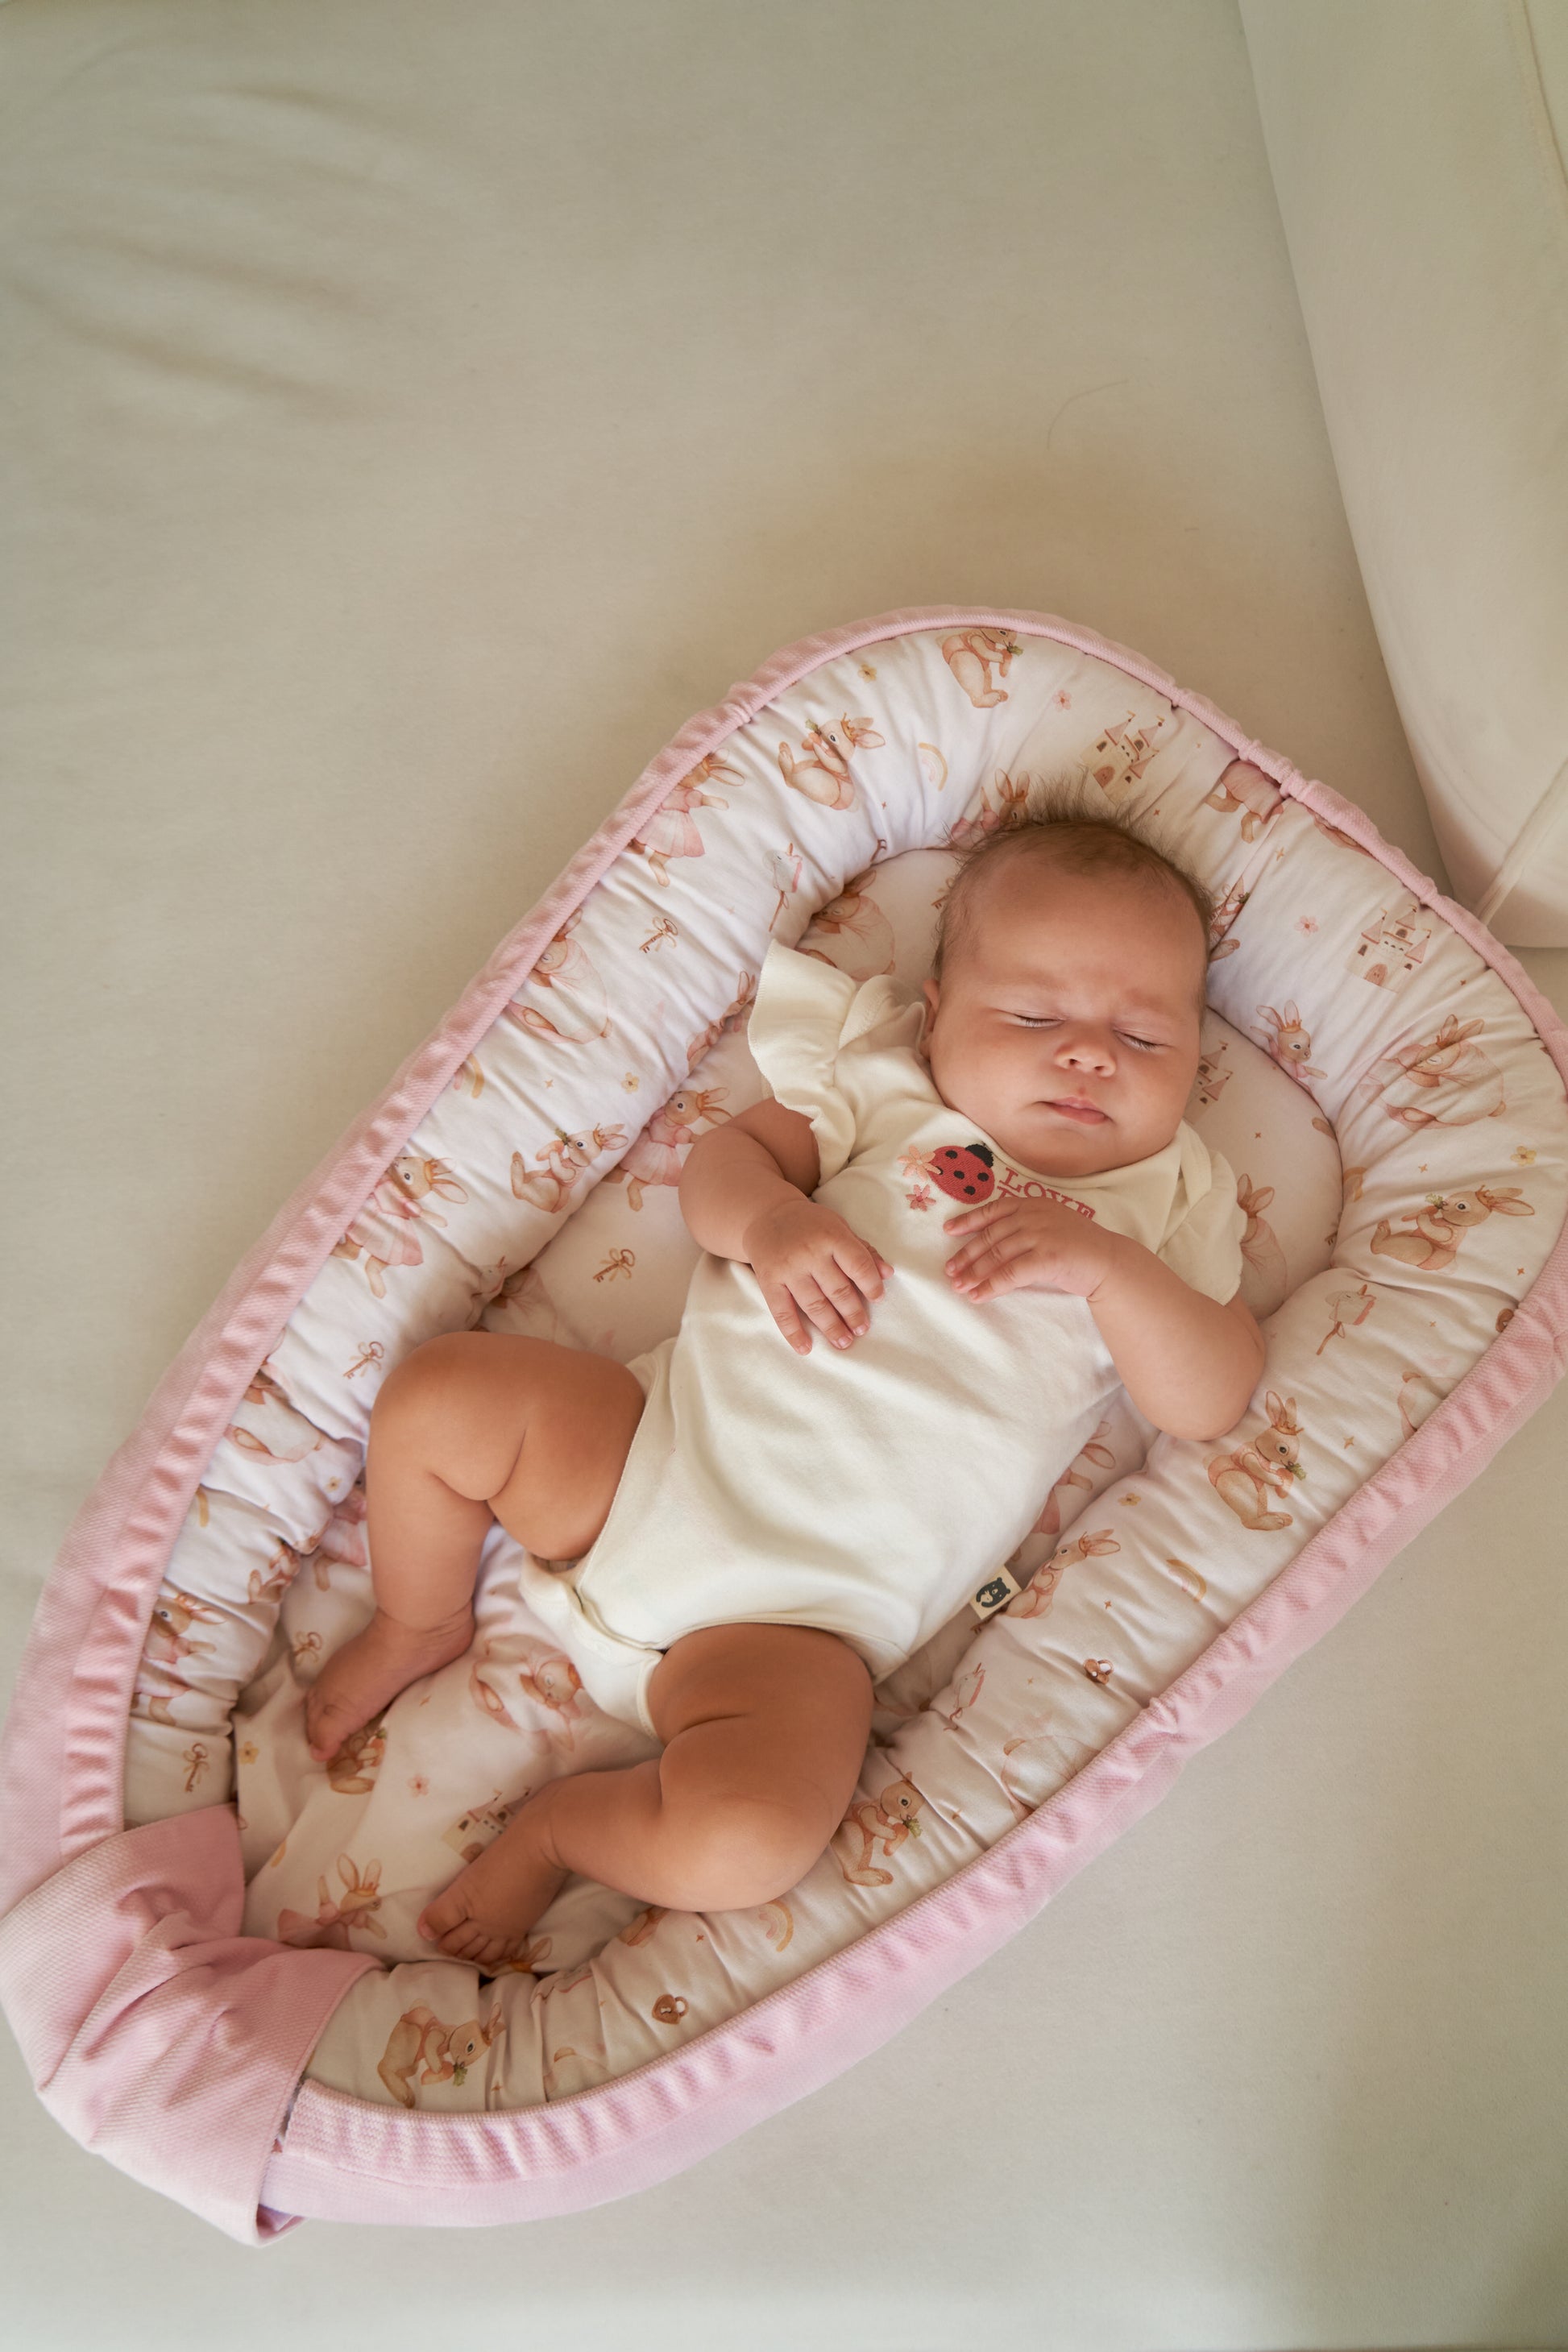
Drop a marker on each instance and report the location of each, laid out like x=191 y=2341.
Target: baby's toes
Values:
x=466 y=1941
x=441 y=1917
x=327 y=1722
x=469 y=1941
x=446 y=1924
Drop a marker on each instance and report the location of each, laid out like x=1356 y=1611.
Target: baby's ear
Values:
x=931 y=993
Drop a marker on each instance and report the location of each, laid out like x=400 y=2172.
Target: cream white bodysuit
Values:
x=866 y=1490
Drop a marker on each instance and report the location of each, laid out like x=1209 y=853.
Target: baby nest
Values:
x=208 y=1951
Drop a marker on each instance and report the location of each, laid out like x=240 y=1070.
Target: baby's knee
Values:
x=433 y=1367
x=737 y=1851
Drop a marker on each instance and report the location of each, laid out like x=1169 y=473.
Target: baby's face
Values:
x=1066 y=1022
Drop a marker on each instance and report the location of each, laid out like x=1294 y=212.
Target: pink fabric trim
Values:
x=158 y=2035
x=60 y=1769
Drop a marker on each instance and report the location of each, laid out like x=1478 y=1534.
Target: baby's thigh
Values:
x=539 y=1432
x=767 y=1719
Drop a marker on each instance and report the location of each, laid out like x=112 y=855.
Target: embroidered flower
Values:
x=419 y=1786
x=922 y=1197
x=1305 y=922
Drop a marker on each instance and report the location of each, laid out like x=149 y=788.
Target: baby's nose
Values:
x=1087 y=1051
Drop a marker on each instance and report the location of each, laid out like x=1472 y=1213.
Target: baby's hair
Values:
x=1083 y=840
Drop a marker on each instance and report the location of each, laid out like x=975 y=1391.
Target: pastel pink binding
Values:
x=170 y=2044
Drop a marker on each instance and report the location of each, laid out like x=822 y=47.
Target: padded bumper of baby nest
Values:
x=163 y=2035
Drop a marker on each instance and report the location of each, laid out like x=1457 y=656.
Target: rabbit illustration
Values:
x=1009 y=807
x=154 y=1692
x=564 y=1162
x=1259 y=1243
x=399 y=1200
x=485 y=1696
x=1246 y=789
x=282 y=1567
x=786 y=873
x=1243 y=1480
x=169 y=1638
x=552 y=1682
x=1226 y=911
x=331 y=1927
x=159 y=1680
x=671 y=831
x=442 y=2054
x=1444 y=1080
x=1096 y=1453
x=1037 y=1595
x=1436 y=1232
x=272 y=1427
x=863 y=931
x=1290 y=1043
x=658 y=1154
x=971 y=653
x=341 y=1539
x=894 y=1817
x=1339 y=1303
x=579 y=1001
x=735 y=1015
x=351 y=1771
x=967 y=1688
x=824 y=775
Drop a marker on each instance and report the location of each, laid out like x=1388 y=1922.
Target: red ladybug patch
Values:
x=964 y=1175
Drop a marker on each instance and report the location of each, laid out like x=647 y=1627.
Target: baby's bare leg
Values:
x=764 y=1729
x=469 y=1428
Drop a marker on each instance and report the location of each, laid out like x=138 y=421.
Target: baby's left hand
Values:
x=1028 y=1245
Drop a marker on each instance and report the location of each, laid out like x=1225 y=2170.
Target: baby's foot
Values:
x=367 y=1673
x=485 y=1915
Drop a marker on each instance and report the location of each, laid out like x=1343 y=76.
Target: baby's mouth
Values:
x=1087 y=1114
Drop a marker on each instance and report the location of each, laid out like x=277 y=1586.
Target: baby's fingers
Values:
x=862 y=1264
x=991 y=1265
x=835 y=1306
x=980 y=1248
x=788 y=1317
x=974 y=1221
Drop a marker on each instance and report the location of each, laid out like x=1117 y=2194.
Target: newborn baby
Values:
x=990 y=1211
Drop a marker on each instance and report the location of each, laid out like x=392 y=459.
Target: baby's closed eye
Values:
x=1128 y=1036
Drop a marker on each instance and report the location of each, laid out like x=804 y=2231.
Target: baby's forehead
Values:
x=1033 y=929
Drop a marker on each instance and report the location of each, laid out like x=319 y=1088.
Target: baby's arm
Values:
x=1190 y=1364
x=1187 y=1362
x=745 y=1193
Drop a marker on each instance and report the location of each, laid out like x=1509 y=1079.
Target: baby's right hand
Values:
x=814 y=1270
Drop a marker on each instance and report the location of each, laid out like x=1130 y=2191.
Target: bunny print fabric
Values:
x=867 y=1492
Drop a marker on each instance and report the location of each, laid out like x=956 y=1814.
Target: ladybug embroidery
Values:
x=964 y=1175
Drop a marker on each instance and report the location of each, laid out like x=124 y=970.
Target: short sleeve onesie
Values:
x=867 y=1490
